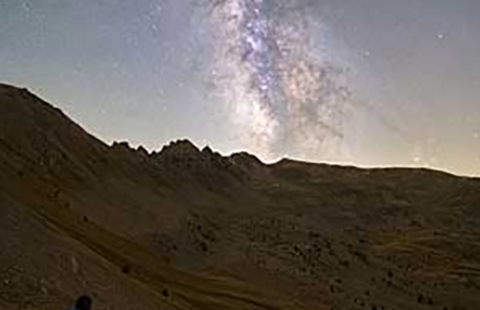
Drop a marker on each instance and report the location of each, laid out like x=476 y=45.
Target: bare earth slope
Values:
x=190 y=229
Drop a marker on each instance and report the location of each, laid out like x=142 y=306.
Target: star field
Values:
x=285 y=96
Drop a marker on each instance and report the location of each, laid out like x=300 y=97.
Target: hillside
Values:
x=184 y=228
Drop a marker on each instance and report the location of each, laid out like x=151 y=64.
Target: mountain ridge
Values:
x=180 y=145
x=184 y=228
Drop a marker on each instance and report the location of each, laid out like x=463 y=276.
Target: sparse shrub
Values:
x=126 y=269
x=165 y=292
x=345 y=263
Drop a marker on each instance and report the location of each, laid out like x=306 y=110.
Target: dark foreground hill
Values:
x=185 y=228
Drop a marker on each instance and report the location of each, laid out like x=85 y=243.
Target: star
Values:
x=26 y=6
x=366 y=54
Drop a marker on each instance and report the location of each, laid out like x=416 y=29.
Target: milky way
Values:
x=282 y=93
x=370 y=83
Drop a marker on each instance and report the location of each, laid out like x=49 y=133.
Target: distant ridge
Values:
x=187 y=228
x=36 y=108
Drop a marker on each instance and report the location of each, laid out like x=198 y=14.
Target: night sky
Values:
x=363 y=82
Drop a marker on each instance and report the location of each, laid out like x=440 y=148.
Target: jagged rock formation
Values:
x=185 y=228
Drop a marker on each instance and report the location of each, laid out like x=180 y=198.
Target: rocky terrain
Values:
x=185 y=228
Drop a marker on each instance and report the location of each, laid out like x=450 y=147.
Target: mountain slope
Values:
x=185 y=228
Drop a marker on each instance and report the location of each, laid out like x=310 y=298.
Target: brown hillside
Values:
x=185 y=228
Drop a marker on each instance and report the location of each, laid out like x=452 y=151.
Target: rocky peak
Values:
x=183 y=154
x=122 y=145
x=207 y=150
x=180 y=148
x=245 y=160
x=124 y=149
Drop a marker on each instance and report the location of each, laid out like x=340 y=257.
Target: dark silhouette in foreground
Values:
x=83 y=303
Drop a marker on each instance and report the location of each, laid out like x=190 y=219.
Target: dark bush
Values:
x=126 y=269
x=165 y=292
x=420 y=298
